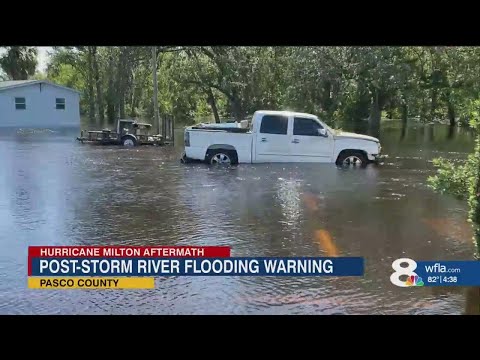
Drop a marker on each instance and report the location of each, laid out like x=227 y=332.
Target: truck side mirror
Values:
x=322 y=132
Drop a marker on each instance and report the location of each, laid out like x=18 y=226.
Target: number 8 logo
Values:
x=399 y=271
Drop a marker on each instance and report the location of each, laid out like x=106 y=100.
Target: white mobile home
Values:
x=38 y=104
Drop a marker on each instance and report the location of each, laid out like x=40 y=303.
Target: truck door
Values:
x=272 y=139
x=310 y=141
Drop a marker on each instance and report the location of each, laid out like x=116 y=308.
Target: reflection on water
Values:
x=59 y=192
x=324 y=240
x=473 y=301
x=457 y=230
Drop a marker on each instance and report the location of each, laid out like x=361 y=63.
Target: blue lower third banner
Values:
x=233 y=266
x=408 y=272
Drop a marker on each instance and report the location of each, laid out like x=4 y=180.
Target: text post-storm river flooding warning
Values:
x=137 y=267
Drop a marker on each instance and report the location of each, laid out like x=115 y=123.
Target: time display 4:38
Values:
x=442 y=279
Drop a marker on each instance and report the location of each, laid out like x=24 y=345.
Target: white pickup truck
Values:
x=278 y=136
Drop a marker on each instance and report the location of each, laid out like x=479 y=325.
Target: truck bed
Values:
x=201 y=139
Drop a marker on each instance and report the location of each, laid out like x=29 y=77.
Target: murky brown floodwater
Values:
x=54 y=191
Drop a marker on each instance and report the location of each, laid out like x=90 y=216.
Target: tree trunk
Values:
x=122 y=104
x=98 y=85
x=327 y=99
x=155 y=91
x=404 y=119
x=375 y=115
x=404 y=113
x=362 y=103
x=213 y=104
x=123 y=72
x=237 y=110
x=335 y=96
x=433 y=104
x=111 y=90
x=424 y=109
x=90 y=86
x=451 y=132
x=451 y=112
x=135 y=98
x=120 y=84
x=390 y=113
x=236 y=107
x=431 y=133
x=15 y=71
x=137 y=93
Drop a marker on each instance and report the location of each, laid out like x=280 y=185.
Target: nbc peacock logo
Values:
x=405 y=276
x=414 y=280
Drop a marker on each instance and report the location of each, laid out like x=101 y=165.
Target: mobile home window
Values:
x=20 y=103
x=60 y=103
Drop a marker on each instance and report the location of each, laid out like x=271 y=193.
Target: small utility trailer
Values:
x=127 y=133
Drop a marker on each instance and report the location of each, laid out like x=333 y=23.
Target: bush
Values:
x=463 y=180
x=451 y=178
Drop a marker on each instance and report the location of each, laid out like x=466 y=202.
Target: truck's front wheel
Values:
x=221 y=157
x=352 y=158
x=129 y=141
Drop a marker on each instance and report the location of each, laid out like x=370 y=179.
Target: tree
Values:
x=78 y=63
x=19 y=62
x=454 y=179
x=155 y=90
x=343 y=85
x=98 y=85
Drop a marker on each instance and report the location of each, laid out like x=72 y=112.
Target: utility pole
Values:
x=155 y=90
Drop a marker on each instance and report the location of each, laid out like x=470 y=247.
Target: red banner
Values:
x=128 y=251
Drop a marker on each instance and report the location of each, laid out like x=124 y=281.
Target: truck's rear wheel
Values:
x=352 y=159
x=221 y=157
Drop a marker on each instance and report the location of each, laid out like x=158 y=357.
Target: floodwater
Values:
x=54 y=191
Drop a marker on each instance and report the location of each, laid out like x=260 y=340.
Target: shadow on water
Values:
x=35 y=135
x=403 y=132
x=60 y=192
x=472 y=303
x=451 y=132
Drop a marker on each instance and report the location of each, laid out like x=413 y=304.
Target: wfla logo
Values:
x=412 y=278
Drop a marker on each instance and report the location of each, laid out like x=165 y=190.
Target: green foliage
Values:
x=66 y=75
x=474 y=194
x=463 y=180
x=340 y=84
x=451 y=178
x=19 y=62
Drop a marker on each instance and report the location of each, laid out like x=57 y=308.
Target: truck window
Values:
x=274 y=124
x=306 y=127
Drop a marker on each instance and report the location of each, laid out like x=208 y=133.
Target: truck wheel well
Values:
x=128 y=136
x=221 y=146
